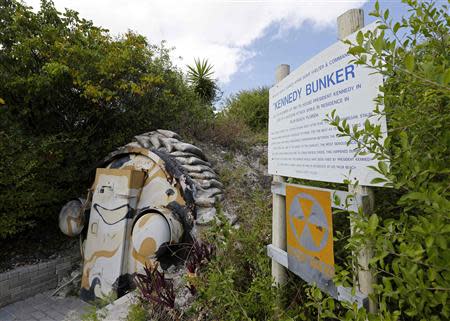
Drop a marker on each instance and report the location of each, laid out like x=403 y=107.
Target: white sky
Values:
x=221 y=31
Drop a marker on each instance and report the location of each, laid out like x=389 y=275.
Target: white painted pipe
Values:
x=154 y=229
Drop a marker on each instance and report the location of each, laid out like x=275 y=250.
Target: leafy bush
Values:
x=231 y=133
x=250 y=106
x=70 y=93
x=34 y=178
x=137 y=312
x=243 y=120
x=237 y=283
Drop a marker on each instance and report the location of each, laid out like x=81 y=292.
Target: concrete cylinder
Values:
x=71 y=217
x=150 y=232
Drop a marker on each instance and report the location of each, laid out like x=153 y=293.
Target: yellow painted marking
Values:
x=144 y=219
x=317 y=233
x=135 y=178
x=88 y=265
x=102 y=253
x=141 y=259
x=326 y=255
x=148 y=247
x=69 y=225
x=306 y=206
x=85 y=279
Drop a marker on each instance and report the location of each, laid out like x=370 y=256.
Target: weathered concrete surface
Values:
x=118 y=310
x=43 y=307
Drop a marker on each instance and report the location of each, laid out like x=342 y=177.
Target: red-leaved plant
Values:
x=155 y=288
x=199 y=255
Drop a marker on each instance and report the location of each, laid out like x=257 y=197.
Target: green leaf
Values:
x=373 y=222
x=383 y=167
x=404 y=140
x=429 y=241
x=367 y=125
x=336 y=199
x=356 y=50
x=441 y=242
x=378 y=180
x=432 y=274
x=415 y=196
x=378 y=44
x=409 y=62
x=2 y=102
x=359 y=38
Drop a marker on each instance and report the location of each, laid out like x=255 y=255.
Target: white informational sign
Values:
x=301 y=144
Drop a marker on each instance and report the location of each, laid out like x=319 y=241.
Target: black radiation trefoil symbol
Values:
x=306 y=208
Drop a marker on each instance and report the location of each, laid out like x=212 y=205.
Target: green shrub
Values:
x=231 y=133
x=137 y=312
x=237 y=283
x=70 y=94
x=34 y=179
x=250 y=106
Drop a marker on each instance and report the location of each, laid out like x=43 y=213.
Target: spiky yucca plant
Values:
x=200 y=77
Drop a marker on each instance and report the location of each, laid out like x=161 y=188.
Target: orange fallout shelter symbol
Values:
x=310 y=228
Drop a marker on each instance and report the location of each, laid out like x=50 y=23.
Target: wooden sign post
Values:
x=348 y=23
x=279 y=208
